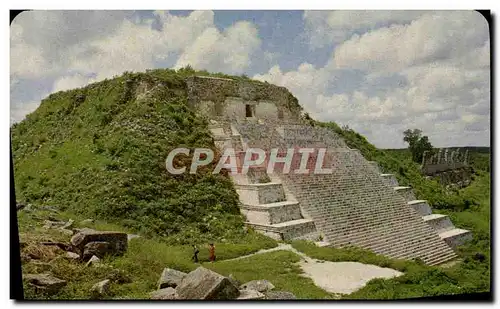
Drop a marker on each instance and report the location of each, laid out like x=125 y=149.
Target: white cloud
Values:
x=439 y=59
x=433 y=36
x=327 y=27
x=228 y=51
x=70 y=82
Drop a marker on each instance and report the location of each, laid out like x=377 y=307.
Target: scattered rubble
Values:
x=118 y=242
x=258 y=285
x=45 y=283
x=279 y=295
x=166 y=293
x=203 y=283
x=93 y=260
x=101 y=288
x=170 y=278
x=72 y=256
x=250 y=294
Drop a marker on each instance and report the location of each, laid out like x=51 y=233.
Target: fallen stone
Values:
x=60 y=245
x=87 y=221
x=93 y=261
x=258 y=285
x=68 y=224
x=250 y=294
x=203 y=283
x=170 y=278
x=101 y=288
x=97 y=248
x=53 y=224
x=233 y=280
x=132 y=236
x=279 y=295
x=65 y=231
x=45 y=283
x=72 y=256
x=166 y=293
x=117 y=240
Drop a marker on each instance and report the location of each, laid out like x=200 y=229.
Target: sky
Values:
x=378 y=72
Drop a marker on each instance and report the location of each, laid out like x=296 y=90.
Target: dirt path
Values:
x=334 y=277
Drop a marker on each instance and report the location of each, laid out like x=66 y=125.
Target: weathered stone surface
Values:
x=67 y=232
x=170 y=278
x=233 y=280
x=132 y=236
x=97 y=248
x=45 y=283
x=117 y=240
x=279 y=295
x=49 y=224
x=93 y=261
x=166 y=293
x=258 y=285
x=203 y=283
x=61 y=245
x=250 y=294
x=68 y=224
x=72 y=255
x=101 y=288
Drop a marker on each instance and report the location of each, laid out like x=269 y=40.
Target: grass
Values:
x=143 y=261
x=279 y=268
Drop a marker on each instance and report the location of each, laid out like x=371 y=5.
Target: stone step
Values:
x=438 y=222
x=390 y=180
x=420 y=206
x=442 y=259
x=260 y=193
x=393 y=241
x=286 y=230
x=456 y=237
x=375 y=166
x=272 y=213
x=422 y=251
x=405 y=192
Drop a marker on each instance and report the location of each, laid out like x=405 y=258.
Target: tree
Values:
x=417 y=144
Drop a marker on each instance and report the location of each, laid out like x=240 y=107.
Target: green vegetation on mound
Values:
x=101 y=150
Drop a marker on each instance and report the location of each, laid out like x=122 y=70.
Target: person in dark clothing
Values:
x=195 y=254
x=211 y=251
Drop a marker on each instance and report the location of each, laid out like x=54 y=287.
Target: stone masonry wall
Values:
x=353 y=205
x=226 y=98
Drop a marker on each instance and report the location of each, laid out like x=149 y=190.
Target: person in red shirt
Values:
x=211 y=251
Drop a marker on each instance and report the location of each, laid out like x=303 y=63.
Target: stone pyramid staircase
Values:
x=440 y=223
x=356 y=205
x=267 y=206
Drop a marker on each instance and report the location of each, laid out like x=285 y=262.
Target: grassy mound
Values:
x=100 y=151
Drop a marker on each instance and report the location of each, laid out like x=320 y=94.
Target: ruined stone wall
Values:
x=222 y=98
x=448 y=166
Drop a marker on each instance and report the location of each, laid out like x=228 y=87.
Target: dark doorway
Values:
x=248 y=110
